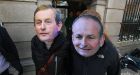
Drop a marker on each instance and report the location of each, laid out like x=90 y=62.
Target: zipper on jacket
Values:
x=85 y=69
x=56 y=65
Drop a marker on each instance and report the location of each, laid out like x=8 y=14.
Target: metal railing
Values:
x=130 y=26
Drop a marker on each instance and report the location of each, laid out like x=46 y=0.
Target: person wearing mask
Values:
x=49 y=46
x=92 y=52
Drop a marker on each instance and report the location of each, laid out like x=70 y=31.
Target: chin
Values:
x=86 y=54
x=43 y=39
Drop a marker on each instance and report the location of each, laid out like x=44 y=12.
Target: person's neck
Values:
x=48 y=43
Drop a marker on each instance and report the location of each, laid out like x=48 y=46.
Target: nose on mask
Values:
x=82 y=46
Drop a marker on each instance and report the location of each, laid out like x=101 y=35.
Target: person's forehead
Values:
x=47 y=14
x=86 y=22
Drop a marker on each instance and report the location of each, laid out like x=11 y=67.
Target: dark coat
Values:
x=104 y=62
x=9 y=50
x=41 y=55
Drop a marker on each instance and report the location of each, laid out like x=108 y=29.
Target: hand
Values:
x=13 y=71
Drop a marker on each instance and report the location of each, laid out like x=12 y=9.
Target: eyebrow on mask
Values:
x=42 y=19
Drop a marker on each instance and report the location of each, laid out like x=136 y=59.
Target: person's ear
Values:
x=102 y=40
x=59 y=26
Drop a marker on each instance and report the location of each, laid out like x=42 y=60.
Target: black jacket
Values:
x=41 y=55
x=104 y=62
x=9 y=50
